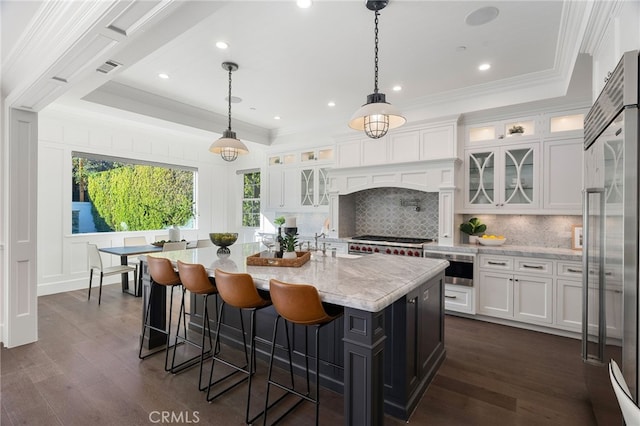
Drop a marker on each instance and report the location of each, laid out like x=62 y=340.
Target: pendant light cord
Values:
x=229 y=98
x=375 y=83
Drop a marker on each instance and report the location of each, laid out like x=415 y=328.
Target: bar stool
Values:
x=162 y=274
x=195 y=279
x=299 y=304
x=238 y=291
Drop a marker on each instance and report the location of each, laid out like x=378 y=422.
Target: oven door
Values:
x=460 y=269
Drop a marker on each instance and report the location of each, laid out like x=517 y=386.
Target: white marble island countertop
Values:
x=370 y=283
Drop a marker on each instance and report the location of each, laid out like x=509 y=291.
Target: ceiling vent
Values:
x=108 y=66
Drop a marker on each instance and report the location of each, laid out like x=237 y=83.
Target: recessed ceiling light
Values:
x=331 y=104
x=222 y=45
x=482 y=16
x=461 y=48
x=277 y=117
x=484 y=67
x=397 y=88
x=304 y=4
x=164 y=76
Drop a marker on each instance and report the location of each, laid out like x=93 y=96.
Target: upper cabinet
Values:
x=433 y=141
x=298 y=181
x=502 y=178
x=535 y=169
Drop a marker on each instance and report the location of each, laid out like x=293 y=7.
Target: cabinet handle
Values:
x=577 y=271
x=497 y=263
x=532 y=266
x=412 y=301
x=450 y=297
x=516 y=280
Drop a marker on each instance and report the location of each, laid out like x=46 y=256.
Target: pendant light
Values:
x=377 y=116
x=229 y=146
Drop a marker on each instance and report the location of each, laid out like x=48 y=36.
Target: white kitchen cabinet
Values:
x=283 y=187
x=533 y=298
x=446 y=202
x=430 y=141
x=459 y=299
x=569 y=302
x=314 y=187
x=317 y=155
x=513 y=295
x=562 y=175
x=495 y=294
x=502 y=179
x=404 y=147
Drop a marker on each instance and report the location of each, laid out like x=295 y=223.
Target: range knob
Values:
x=388 y=251
x=409 y=253
x=376 y=250
x=369 y=249
x=402 y=252
x=416 y=254
x=352 y=247
x=395 y=251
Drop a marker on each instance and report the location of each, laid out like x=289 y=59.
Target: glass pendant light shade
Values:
x=228 y=146
x=376 y=117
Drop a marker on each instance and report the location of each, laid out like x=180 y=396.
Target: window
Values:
x=112 y=194
x=251 y=199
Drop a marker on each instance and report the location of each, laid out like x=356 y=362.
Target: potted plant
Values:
x=516 y=130
x=290 y=242
x=473 y=227
x=279 y=221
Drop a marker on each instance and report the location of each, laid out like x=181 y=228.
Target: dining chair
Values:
x=178 y=245
x=630 y=410
x=135 y=260
x=95 y=263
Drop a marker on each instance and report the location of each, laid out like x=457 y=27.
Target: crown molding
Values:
x=600 y=19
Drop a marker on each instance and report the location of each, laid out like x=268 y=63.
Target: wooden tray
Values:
x=256 y=260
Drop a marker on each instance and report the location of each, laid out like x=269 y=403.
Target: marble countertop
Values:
x=511 y=250
x=370 y=283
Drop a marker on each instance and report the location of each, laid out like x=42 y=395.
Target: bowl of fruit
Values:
x=223 y=239
x=492 y=240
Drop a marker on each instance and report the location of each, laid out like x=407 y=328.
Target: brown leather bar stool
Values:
x=299 y=304
x=239 y=291
x=195 y=279
x=162 y=275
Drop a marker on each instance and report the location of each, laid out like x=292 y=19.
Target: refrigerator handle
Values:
x=585 y=272
x=586 y=267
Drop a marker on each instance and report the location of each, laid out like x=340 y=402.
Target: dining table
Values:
x=124 y=253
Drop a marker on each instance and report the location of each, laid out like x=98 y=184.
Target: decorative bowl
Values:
x=223 y=239
x=492 y=241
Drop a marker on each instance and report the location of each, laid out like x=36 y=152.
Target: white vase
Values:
x=473 y=239
x=289 y=255
x=174 y=233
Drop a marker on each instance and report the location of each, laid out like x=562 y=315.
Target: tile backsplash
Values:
x=396 y=212
x=531 y=230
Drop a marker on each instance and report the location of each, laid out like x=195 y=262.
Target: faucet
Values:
x=324 y=250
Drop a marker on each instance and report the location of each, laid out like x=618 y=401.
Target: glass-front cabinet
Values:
x=502 y=178
x=314 y=187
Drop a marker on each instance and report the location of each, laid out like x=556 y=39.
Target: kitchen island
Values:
x=387 y=347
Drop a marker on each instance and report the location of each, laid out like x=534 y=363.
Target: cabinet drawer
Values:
x=570 y=269
x=496 y=263
x=459 y=299
x=534 y=266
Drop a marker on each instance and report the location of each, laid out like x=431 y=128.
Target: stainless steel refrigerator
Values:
x=610 y=239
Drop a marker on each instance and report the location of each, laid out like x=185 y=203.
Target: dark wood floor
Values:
x=84 y=370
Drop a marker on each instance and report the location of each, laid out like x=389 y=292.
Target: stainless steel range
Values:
x=399 y=246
